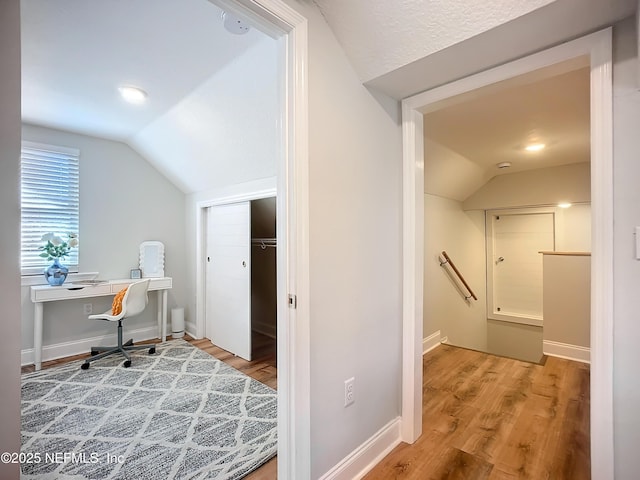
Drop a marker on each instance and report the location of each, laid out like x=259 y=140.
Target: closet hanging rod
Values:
x=264 y=242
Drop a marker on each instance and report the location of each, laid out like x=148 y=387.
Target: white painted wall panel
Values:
x=517 y=265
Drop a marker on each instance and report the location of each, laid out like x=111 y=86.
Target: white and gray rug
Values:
x=178 y=414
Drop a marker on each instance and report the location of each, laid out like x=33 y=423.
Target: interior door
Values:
x=228 y=273
x=517 y=263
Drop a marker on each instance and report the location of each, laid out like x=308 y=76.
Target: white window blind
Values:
x=50 y=202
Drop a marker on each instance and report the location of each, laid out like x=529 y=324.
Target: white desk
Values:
x=68 y=291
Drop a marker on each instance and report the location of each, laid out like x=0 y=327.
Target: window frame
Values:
x=28 y=266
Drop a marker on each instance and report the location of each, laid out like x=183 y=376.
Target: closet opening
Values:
x=241 y=278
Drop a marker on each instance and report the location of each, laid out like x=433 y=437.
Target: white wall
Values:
x=225 y=131
x=448 y=174
x=544 y=186
x=9 y=233
x=573 y=228
x=123 y=202
x=462 y=235
x=626 y=170
x=355 y=251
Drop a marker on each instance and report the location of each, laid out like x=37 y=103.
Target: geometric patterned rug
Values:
x=177 y=414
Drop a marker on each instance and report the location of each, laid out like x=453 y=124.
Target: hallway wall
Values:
x=462 y=235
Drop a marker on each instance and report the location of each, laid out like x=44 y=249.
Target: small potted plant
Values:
x=55 y=249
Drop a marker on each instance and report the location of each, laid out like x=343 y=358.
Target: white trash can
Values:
x=177 y=322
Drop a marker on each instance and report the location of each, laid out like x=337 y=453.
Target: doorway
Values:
x=597 y=48
x=241 y=276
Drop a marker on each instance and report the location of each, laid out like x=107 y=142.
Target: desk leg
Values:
x=37 y=335
x=164 y=315
x=159 y=318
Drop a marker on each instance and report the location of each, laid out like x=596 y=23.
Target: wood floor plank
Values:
x=497 y=418
x=455 y=464
x=484 y=417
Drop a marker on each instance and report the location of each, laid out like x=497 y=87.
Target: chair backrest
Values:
x=136 y=299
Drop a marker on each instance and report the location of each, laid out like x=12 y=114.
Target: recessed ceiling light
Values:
x=503 y=164
x=564 y=205
x=133 y=94
x=534 y=147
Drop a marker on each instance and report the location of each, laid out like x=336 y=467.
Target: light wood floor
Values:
x=484 y=417
x=261 y=368
x=488 y=417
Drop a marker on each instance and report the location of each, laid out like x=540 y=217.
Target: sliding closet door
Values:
x=228 y=302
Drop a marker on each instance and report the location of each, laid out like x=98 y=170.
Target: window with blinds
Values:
x=50 y=195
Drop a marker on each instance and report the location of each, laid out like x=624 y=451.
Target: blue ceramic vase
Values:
x=56 y=273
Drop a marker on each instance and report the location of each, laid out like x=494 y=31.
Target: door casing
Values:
x=597 y=47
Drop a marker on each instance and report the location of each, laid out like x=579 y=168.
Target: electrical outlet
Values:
x=349 y=391
x=88 y=308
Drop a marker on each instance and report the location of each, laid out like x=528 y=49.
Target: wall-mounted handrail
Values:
x=464 y=282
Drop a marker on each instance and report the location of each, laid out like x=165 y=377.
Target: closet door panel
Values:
x=228 y=272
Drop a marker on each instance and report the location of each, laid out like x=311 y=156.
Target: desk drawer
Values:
x=48 y=294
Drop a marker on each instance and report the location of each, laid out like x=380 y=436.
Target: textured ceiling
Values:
x=380 y=36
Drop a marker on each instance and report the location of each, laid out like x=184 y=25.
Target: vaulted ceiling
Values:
x=76 y=53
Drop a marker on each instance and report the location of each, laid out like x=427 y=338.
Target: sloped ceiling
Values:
x=75 y=53
x=465 y=141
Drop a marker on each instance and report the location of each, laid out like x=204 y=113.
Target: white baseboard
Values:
x=190 y=327
x=77 y=347
x=564 y=350
x=431 y=342
x=368 y=455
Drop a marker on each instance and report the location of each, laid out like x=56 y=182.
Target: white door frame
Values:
x=277 y=19
x=598 y=48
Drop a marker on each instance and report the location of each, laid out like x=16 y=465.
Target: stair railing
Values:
x=448 y=261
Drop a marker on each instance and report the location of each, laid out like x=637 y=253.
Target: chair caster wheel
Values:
x=84 y=366
x=94 y=353
x=152 y=350
x=127 y=363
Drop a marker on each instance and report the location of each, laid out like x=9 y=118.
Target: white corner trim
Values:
x=431 y=342
x=356 y=465
x=565 y=350
x=77 y=347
